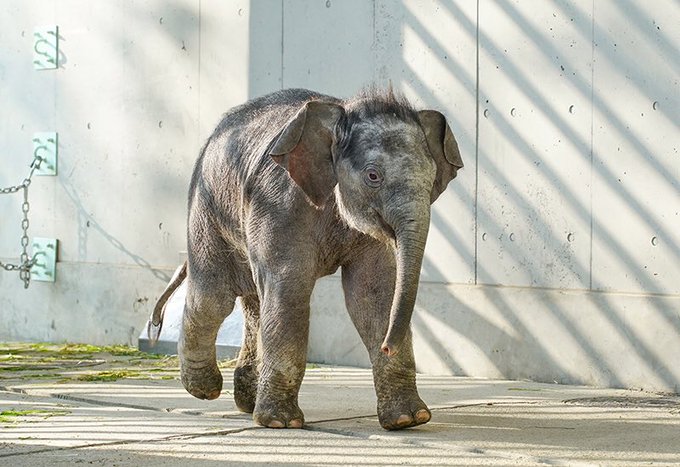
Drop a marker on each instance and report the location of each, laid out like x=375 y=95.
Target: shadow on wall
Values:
x=87 y=221
x=576 y=229
x=123 y=157
x=501 y=137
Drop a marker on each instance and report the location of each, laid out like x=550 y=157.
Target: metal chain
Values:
x=26 y=262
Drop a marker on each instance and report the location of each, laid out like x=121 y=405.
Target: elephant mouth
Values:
x=388 y=231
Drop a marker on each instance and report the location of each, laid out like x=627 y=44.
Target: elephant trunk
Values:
x=411 y=235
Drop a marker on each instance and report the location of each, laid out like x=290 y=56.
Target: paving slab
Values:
x=38 y=423
x=542 y=432
x=134 y=412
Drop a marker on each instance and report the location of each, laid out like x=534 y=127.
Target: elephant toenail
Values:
x=423 y=416
x=276 y=424
x=297 y=423
x=213 y=394
x=403 y=420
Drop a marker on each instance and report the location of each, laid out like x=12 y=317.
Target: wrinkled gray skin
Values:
x=289 y=188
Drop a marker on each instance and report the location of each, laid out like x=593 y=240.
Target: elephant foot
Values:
x=245 y=387
x=202 y=382
x=278 y=414
x=396 y=415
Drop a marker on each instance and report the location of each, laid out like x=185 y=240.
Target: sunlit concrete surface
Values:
x=475 y=422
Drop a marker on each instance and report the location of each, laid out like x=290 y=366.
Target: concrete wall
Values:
x=554 y=256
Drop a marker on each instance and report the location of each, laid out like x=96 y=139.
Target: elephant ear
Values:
x=303 y=148
x=443 y=147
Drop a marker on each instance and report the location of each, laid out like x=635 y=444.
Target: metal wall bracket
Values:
x=45 y=255
x=46 y=48
x=46 y=146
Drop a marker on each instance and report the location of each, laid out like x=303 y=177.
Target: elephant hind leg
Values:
x=204 y=311
x=246 y=374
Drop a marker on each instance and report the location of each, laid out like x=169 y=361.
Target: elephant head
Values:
x=384 y=163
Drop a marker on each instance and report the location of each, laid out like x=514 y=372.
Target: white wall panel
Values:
x=128 y=96
x=27 y=105
x=428 y=50
x=224 y=77
x=636 y=145
x=327 y=45
x=534 y=144
x=265 y=47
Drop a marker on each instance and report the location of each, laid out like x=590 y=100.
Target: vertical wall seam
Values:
x=592 y=137
x=375 y=48
x=283 y=8
x=56 y=76
x=476 y=197
x=198 y=85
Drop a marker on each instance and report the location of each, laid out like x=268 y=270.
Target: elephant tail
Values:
x=156 y=320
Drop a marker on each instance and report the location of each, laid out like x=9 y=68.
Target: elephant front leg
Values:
x=368 y=282
x=284 y=330
x=399 y=405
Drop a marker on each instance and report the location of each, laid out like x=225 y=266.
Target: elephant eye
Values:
x=372 y=176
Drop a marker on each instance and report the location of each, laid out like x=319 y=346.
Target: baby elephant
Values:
x=290 y=187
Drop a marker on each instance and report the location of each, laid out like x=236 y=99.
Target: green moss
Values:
x=17 y=351
x=17 y=368
x=227 y=363
x=7 y=416
x=109 y=375
x=71 y=362
x=115 y=375
x=41 y=375
x=116 y=350
x=10 y=357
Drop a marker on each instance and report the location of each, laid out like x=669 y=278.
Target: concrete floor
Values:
x=146 y=418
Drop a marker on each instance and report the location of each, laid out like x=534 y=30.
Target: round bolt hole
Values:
x=240 y=11
x=486 y=113
x=512 y=237
x=655 y=241
x=513 y=112
x=484 y=237
x=89 y=126
x=655 y=105
x=160 y=20
x=328 y=3
x=571 y=109
x=160 y=124
x=570 y=237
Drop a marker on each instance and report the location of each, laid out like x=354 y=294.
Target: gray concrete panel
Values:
x=327 y=45
x=636 y=149
x=24 y=109
x=265 y=55
x=534 y=139
x=224 y=52
x=127 y=99
x=96 y=303
x=427 y=50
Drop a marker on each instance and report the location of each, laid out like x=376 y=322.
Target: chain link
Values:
x=25 y=261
